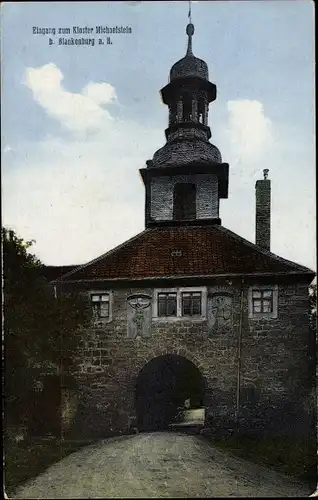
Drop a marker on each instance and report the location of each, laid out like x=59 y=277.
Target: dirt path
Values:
x=158 y=465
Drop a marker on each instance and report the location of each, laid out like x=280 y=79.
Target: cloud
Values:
x=77 y=198
x=78 y=112
x=251 y=142
x=100 y=93
x=249 y=130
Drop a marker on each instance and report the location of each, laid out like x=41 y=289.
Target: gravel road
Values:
x=157 y=465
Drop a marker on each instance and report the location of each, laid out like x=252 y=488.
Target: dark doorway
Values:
x=162 y=387
x=184 y=201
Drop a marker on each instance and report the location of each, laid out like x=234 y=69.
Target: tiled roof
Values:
x=54 y=272
x=205 y=251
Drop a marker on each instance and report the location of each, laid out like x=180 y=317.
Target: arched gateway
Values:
x=162 y=387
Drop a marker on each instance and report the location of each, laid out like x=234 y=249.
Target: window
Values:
x=100 y=305
x=167 y=304
x=191 y=303
x=187 y=109
x=262 y=301
x=184 y=201
x=201 y=111
x=178 y=303
x=173 y=114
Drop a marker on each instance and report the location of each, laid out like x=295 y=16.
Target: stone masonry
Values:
x=263 y=212
x=207 y=200
x=273 y=363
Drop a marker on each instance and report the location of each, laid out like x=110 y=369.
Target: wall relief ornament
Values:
x=220 y=312
x=139 y=315
x=139 y=301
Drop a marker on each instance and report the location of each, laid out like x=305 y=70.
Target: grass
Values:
x=30 y=458
x=290 y=456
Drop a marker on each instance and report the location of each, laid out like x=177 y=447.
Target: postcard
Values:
x=159 y=249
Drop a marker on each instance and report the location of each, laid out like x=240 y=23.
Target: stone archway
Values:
x=163 y=385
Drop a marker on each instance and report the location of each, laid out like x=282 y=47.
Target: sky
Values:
x=78 y=122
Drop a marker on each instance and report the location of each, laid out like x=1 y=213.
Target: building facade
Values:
x=188 y=310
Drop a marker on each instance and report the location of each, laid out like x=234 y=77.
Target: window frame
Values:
x=262 y=299
x=191 y=293
x=166 y=294
x=102 y=319
x=252 y=314
x=179 y=291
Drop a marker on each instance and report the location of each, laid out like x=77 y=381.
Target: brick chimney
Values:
x=263 y=212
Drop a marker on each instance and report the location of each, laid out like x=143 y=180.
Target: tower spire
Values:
x=173 y=176
x=190 y=31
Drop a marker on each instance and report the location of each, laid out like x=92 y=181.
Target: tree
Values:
x=313 y=306
x=312 y=354
x=40 y=331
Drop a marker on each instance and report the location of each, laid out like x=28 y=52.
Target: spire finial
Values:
x=189 y=15
x=190 y=31
x=265 y=173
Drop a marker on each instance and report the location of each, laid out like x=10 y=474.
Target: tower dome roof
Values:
x=184 y=152
x=189 y=65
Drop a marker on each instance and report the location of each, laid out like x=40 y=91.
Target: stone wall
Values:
x=273 y=370
x=275 y=362
x=161 y=196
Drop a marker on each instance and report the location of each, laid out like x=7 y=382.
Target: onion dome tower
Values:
x=186 y=177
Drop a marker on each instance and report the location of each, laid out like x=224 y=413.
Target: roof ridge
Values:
x=61 y=265
x=106 y=254
x=268 y=253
